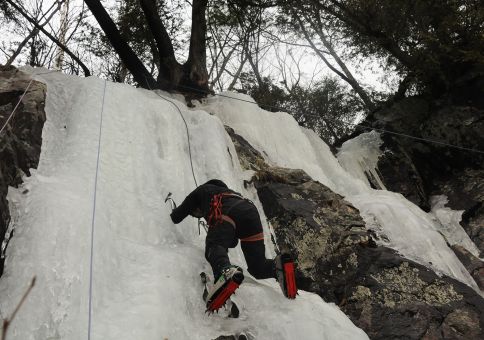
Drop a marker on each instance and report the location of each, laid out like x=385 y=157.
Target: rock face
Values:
x=473 y=265
x=20 y=141
x=466 y=192
x=388 y=296
x=250 y=158
x=419 y=169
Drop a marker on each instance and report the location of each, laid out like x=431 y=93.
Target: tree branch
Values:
x=354 y=21
x=163 y=42
x=323 y=58
x=34 y=31
x=127 y=55
x=351 y=79
x=87 y=73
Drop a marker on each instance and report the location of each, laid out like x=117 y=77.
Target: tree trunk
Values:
x=127 y=55
x=170 y=70
x=195 y=69
x=237 y=73
x=191 y=77
x=351 y=80
x=59 y=60
x=345 y=74
x=15 y=54
x=360 y=25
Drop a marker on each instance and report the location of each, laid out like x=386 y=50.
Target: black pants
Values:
x=223 y=236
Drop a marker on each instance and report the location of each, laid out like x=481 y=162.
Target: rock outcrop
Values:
x=473 y=265
x=386 y=295
x=419 y=169
x=21 y=139
x=250 y=158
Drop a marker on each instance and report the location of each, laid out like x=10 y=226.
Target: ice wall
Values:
x=145 y=270
x=401 y=224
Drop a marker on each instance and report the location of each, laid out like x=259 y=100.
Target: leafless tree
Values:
x=46 y=57
x=237 y=46
x=43 y=20
x=64 y=26
x=313 y=24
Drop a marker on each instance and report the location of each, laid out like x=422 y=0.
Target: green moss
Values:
x=403 y=285
x=352 y=261
x=361 y=293
x=310 y=245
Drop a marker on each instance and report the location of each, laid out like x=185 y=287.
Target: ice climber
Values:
x=231 y=217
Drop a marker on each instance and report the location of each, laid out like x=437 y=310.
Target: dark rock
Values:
x=250 y=158
x=386 y=295
x=418 y=169
x=466 y=192
x=473 y=264
x=21 y=139
x=399 y=174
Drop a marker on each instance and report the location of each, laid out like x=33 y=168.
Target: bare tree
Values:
x=305 y=23
x=41 y=28
x=223 y=45
x=64 y=25
x=236 y=45
x=191 y=76
x=34 y=31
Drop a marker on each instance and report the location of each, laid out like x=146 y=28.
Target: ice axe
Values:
x=172 y=202
x=173 y=206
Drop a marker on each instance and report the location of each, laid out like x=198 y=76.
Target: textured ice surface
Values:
x=401 y=224
x=145 y=269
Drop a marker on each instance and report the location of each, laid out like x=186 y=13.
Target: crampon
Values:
x=221 y=296
x=285 y=275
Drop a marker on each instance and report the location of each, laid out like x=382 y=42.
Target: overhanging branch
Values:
x=87 y=73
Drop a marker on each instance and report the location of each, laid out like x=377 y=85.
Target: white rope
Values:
x=94 y=216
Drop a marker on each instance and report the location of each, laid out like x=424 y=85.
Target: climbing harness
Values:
x=215 y=215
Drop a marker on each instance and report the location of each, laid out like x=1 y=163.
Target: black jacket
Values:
x=201 y=198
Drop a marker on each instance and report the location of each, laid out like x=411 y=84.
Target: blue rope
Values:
x=94 y=216
x=186 y=127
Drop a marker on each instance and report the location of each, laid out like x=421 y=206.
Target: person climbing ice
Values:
x=230 y=218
